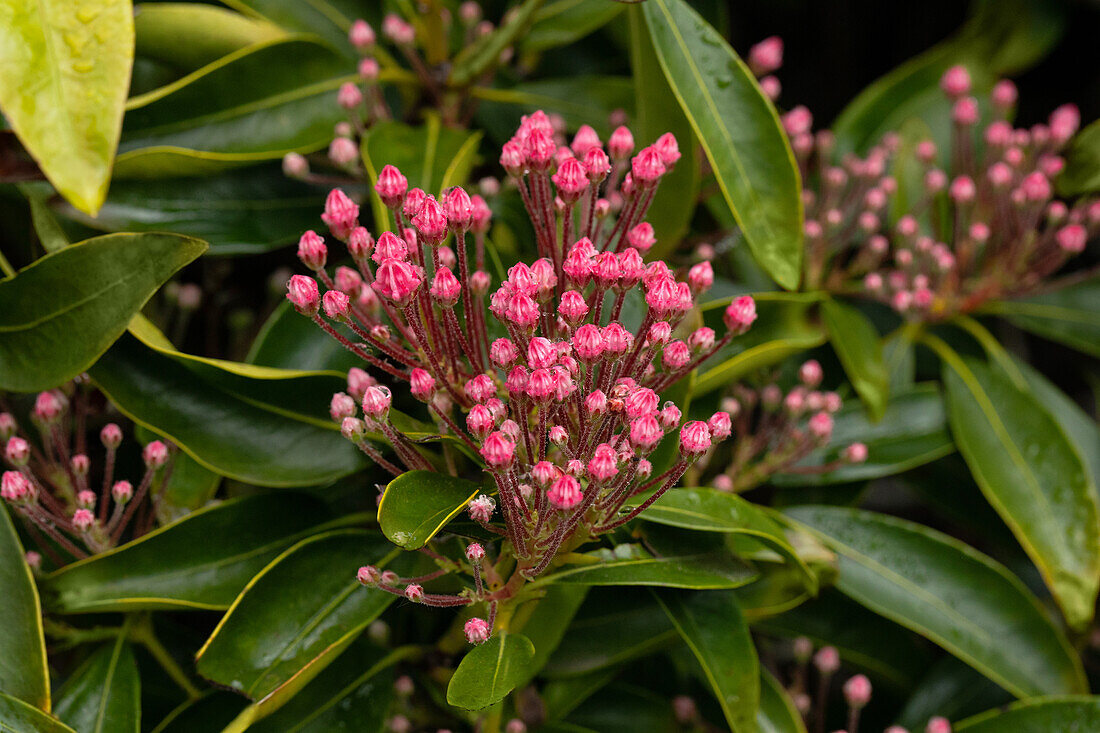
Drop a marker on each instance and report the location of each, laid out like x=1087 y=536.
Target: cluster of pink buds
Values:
x=541 y=378
x=775 y=431
x=50 y=479
x=983 y=223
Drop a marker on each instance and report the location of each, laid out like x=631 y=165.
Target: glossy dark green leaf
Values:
x=490 y=671
x=952 y=690
x=179 y=566
x=785 y=326
x=580 y=100
x=265 y=426
x=18 y=716
x=319 y=17
x=190 y=35
x=417 y=504
x=354 y=693
x=857 y=343
x=1070 y=714
x=23 y=670
x=777 y=713
x=658 y=112
x=255 y=104
x=245 y=211
x=739 y=130
x=710 y=510
x=912 y=432
x=612 y=627
x=214 y=710
x=1001 y=37
x=60 y=313
x=952 y=594
x=562 y=696
x=1070 y=316
x=66 y=72
x=548 y=623
x=1082 y=171
x=561 y=22
x=271 y=644
x=714 y=628
x=620 y=708
x=289 y=340
x=1032 y=475
x=629 y=564
x=104 y=694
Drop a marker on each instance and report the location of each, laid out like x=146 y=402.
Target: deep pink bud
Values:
x=1004 y=94
x=513 y=158
x=111 y=435
x=414 y=592
x=588 y=342
x=391 y=186
x=700 y=277
x=645 y=433
x=798 y=121
x=740 y=314
x=857 y=691
x=821 y=425
x=480 y=421
x=938 y=724
x=397 y=281
x=955 y=82
x=481 y=388
x=540 y=385
x=459 y=208
x=503 y=352
x=647 y=167
x=341 y=214
x=361 y=35
x=963 y=190
x=604 y=464
x=668 y=148
x=431 y=221
x=122 y=492
x=659 y=334
x=1072 y=238
x=695 y=439
x=676 y=356
x=565 y=493
x=445 y=288
x=498 y=451
x=312 y=251
x=586 y=139
x=571 y=180
x=766 y=56
x=544 y=472
x=596 y=165
x=421 y=384
x=336 y=305
x=83 y=520
x=965 y=111
x=376 y=401
x=721 y=426
x=15 y=487
x=390 y=247
x=621 y=143
x=641 y=237
x=616 y=339
x=477 y=630
x=572 y=307
x=1035 y=187
x=414 y=201
x=641 y=402
x=827 y=660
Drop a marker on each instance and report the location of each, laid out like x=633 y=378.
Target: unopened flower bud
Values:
x=414 y=592
x=17 y=451
x=83 y=520
x=855 y=453
x=122 y=492
x=827 y=660
x=481 y=509
x=477 y=630
x=857 y=691
x=155 y=454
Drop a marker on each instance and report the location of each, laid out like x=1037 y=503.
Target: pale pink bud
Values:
x=668 y=148
x=85 y=499
x=659 y=334
x=421 y=384
x=477 y=630
x=17 y=451
x=414 y=201
x=999 y=175
x=1064 y=122
x=616 y=339
x=857 y=691
x=811 y=373
x=414 y=592
x=955 y=82
x=702 y=339
x=821 y=426
x=122 y=492
x=503 y=352
x=700 y=277
x=647 y=166
x=935 y=180
x=368 y=575
x=565 y=493
x=938 y=724
x=604 y=464
x=376 y=401
x=445 y=287
x=1035 y=187
x=766 y=56
x=798 y=121
x=1004 y=94
x=963 y=190
x=695 y=439
x=83 y=520
x=155 y=454
x=596 y=403
x=397 y=30
x=295 y=165
x=15 y=487
x=641 y=237
x=771 y=87
x=641 y=402
x=369 y=69
x=621 y=143
x=397 y=281
x=336 y=305
x=855 y=453
x=361 y=35
x=572 y=307
x=827 y=660
x=676 y=355
x=349 y=97
x=342 y=405
x=669 y=416
x=645 y=433
x=48 y=407
x=1072 y=238
x=481 y=509
x=740 y=314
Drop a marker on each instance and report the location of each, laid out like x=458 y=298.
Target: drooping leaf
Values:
x=66 y=74
x=1082 y=171
x=714 y=628
x=490 y=671
x=245 y=211
x=739 y=130
x=629 y=564
x=944 y=590
x=17 y=715
x=1070 y=315
x=561 y=22
x=179 y=567
x=104 y=694
x=777 y=713
x=856 y=342
x=255 y=104
x=1071 y=714
x=190 y=35
x=260 y=425
x=912 y=432
x=1032 y=475
x=417 y=504
x=23 y=670
x=59 y=314
x=784 y=327
x=271 y=644
x=658 y=112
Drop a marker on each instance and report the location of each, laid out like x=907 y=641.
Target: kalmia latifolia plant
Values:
x=564 y=405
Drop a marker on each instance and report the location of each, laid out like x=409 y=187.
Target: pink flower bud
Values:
x=641 y=402
x=480 y=214
x=855 y=453
x=397 y=30
x=540 y=385
x=361 y=35
x=503 y=352
x=368 y=575
x=572 y=307
x=414 y=592
x=857 y=691
x=544 y=472
x=390 y=247
x=48 y=407
x=111 y=435
x=695 y=439
x=700 y=277
x=348 y=280
x=421 y=384
x=83 y=520
x=397 y=281
x=155 y=454
x=498 y=451
x=122 y=492
x=445 y=287
x=336 y=304
x=702 y=339
x=676 y=356
x=669 y=416
x=586 y=139
x=17 y=451
x=766 y=56
x=85 y=499
x=1064 y=122
x=647 y=167
x=565 y=493
x=295 y=165
x=965 y=112
x=721 y=426
x=341 y=214
x=938 y=724
x=481 y=509
x=596 y=165
x=588 y=342
x=955 y=82
x=641 y=237
x=414 y=201
x=376 y=401
x=1072 y=238
x=1035 y=187
x=431 y=221
x=645 y=433
x=811 y=373
x=391 y=186
x=740 y=314
x=480 y=421
x=513 y=158
x=798 y=121
x=963 y=190
x=821 y=426
x=604 y=464
x=349 y=97
x=1004 y=94
x=771 y=87
x=596 y=403
x=458 y=208
x=480 y=388
x=668 y=148
x=827 y=660
x=616 y=339
x=341 y=406
x=571 y=180
x=541 y=353
x=342 y=151
x=477 y=630
x=621 y=143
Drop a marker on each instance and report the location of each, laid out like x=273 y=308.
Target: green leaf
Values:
x=546 y=621
x=561 y=697
x=1070 y=316
x=657 y=113
x=953 y=690
x=271 y=644
x=1032 y=475
x=18 y=716
x=1070 y=714
x=354 y=693
x=777 y=713
x=255 y=104
x=1001 y=37
x=271 y=426
x=629 y=564
x=784 y=327
x=246 y=211
x=179 y=566
x=622 y=709
x=417 y=504
x=104 y=694
x=23 y=670
x=740 y=132
x=490 y=671
x=911 y=433
x=561 y=22
x=66 y=73
x=318 y=17
x=857 y=343
x=190 y=35
x=710 y=510
x=713 y=627
x=59 y=314
x=480 y=56
x=943 y=589
x=214 y=710
x=287 y=340
x=1082 y=171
